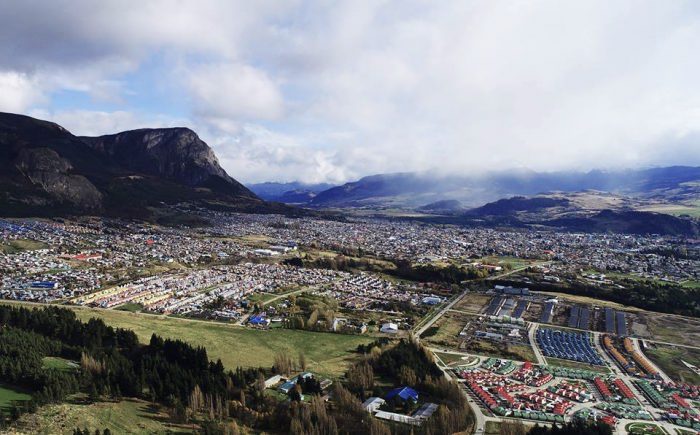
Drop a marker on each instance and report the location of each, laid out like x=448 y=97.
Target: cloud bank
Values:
x=330 y=91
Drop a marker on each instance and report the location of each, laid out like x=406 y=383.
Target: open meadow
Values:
x=9 y=394
x=126 y=416
x=326 y=353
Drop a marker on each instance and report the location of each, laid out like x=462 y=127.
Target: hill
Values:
x=414 y=189
x=581 y=211
x=47 y=171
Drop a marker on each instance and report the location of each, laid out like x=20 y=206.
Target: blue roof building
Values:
x=405 y=393
x=259 y=320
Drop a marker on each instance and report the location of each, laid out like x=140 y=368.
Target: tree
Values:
x=407 y=376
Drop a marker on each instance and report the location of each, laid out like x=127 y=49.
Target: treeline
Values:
x=398 y=267
x=113 y=364
x=649 y=295
x=194 y=389
x=573 y=428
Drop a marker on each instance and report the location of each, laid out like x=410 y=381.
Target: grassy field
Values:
x=644 y=429
x=128 y=416
x=54 y=362
x=327 y=353
x=8 y=394
x=131 y=307
x=672 y=329
x=445 y=332
x=517 y=352
x=668 y=358
x=674 y=209
x=21 y=245
x=472 y=303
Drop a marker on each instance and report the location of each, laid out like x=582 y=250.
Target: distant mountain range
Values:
x=616 y=201
x=47 y=171
x=412 y=190
x=581 y=211
x=290 y=193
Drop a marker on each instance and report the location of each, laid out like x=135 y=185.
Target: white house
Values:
x=390 y=328
x=373 y=403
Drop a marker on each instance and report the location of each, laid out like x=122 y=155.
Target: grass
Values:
x=516 y=352
x=668 y=358
x=127 y=416
x=673 y=329
x=53 y=362
x=448 y=328
x=674 y=209
x=21 y=245
x=327 y=354
x=644 y=428
x=472 y=303
x=9 y=394
x=131 y=307
x=453 y=359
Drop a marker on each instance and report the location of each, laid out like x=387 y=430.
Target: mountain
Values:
x=445 y=206
x=589 y=211
x=411 y=190
x=292 y=192
x=45 y=171
x=511 y=206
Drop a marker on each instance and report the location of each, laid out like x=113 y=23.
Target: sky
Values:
x=329 y=91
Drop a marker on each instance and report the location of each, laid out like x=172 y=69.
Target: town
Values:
x=502 y=325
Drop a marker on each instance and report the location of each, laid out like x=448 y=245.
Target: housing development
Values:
x=522 y=321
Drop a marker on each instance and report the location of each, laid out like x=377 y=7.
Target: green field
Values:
x=644 y=428
x=7 y=395
x=128 y=416
x=21 y=245
x=668 y=358
x=675 y=209
x=131 y=307
x=53 y=362
x=326 y=353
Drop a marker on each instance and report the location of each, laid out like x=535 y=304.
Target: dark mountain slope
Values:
x=416 y=189
x=47 y=171
x=175 y=154
x=509 y=206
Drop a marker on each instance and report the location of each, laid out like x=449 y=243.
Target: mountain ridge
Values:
x=46 y=170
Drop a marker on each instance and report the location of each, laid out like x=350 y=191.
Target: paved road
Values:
x=491 y=278
x=479 y=417
x=532 y=329
x=442 y=312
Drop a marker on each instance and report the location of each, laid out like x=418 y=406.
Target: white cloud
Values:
x=234 y=91
x=18 y=92
x=352 y=88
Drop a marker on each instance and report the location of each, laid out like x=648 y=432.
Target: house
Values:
x=425 y=411
x=274 y=380
x=400 y=418
x=431 y=300
x=390 y=328
x=287 y=386
x=404 y=393
x=373 y=404
x=259 y=320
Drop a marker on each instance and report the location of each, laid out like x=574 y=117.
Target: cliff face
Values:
x=45 y=170
x=176 y=154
